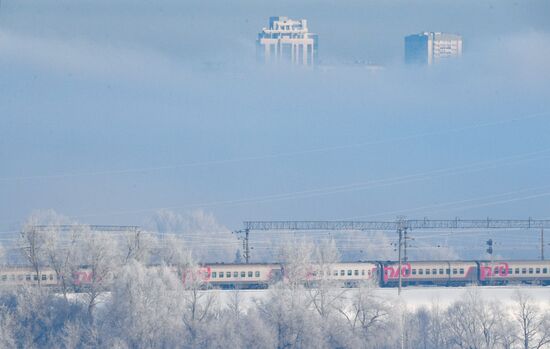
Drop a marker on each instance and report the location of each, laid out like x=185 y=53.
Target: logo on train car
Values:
x=391 y=272
x=82 y=277
x=500 y=270
x=201 y=274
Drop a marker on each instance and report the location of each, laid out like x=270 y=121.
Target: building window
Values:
x=349 y=272
x=257 y=274
x=427 y=271
x=243 y=274
x=249 y=274
x=35 y=278
x=537 y=271
x=517 y=271
x=336 y=273
x=448 y=271
x=440 y=271
x=545 y=270
x=227 y=274
x=455 y=271
x=342 y=272
x=414 y=271
x=214 y=275
x=51 y=276
x=221 y=274
x=44 y=277
x=356 y=272
x=28 y=277
x=530 y=270
x=420 y=271
x=434 y=271
x=235 y=274
x=461 y=270
x=4 y=277
x=524 y=270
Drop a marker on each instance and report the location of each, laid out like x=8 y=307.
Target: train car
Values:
x=438 y=273
x=241 y=276
x=514 y=272
x=349 y=274
x=21 y=276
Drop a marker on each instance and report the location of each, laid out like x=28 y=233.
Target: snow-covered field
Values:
x=415 y=297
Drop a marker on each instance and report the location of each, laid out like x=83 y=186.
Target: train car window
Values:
x=249 y=274
x=427 y=271
x=545 y=270
x=420 y=271
x=524 y=270
x=440 y=271
x=243 y=274
x=537 y=271
x=28 y=277
x=434 y=271
x=455 y=271
x=257 y=274
x=235 y=274
x=214 y=274
x=461 y=270
x=356 y=272
x=349 y=272
x=517 y=270
x=342 y=272
x=530 y=270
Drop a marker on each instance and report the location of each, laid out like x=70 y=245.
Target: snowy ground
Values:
x=420 y=296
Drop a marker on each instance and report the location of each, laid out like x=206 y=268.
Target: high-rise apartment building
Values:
x=430 y=47
x=287 y=40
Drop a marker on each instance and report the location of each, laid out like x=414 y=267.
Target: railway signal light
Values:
x=490 y=246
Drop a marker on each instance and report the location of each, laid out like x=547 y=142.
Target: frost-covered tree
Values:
x=98 y=252
x=7 y=328
x=144 y=309
x=210 y=240
x=61 y=254
x=534 y=324
x=137 y=245
x=473 y=322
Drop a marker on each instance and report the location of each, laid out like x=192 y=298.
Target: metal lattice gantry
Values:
x=395 y=225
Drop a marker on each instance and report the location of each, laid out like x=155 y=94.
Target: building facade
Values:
x=287 y=40
x=431 y=47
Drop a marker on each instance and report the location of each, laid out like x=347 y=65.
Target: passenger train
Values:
x=349 y=274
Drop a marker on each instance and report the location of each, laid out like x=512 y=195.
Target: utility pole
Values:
x=541 y=244
x=400 y=229
x=245 y=246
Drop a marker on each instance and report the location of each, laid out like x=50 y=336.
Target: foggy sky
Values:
x=110 y=111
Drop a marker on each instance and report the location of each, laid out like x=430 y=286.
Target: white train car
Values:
x=20 y=276
x=443 y=273
x=514 y=272
x=241 y=275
